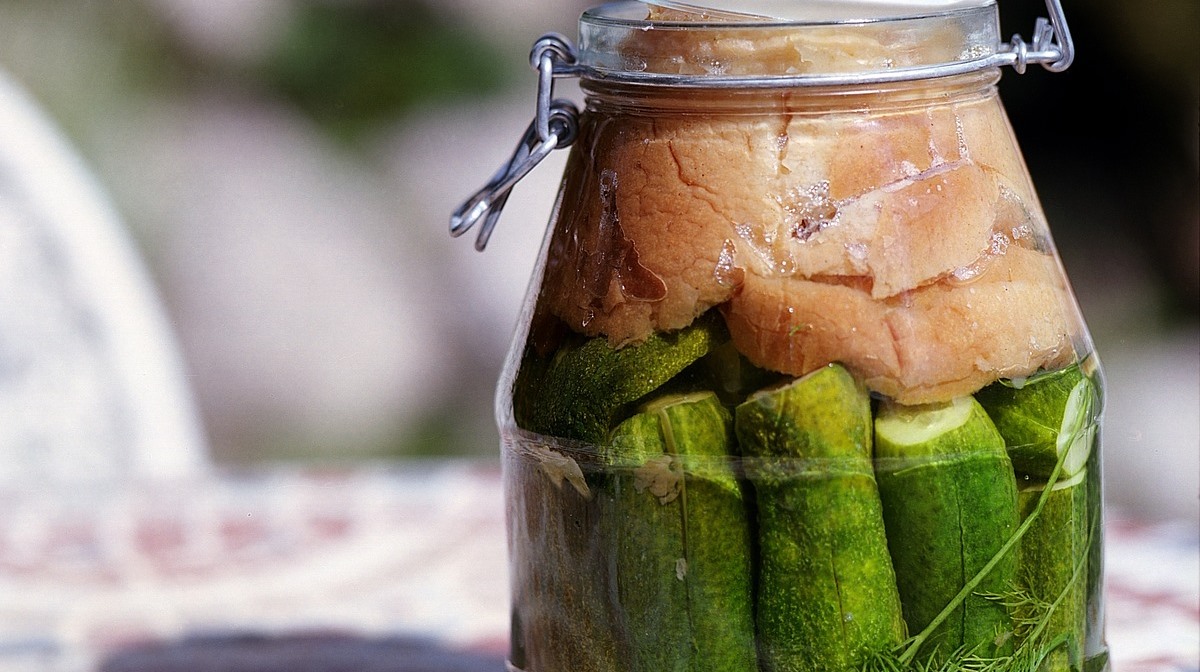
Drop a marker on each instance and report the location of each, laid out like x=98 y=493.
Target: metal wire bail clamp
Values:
x=1052 y=45
x=554 y=126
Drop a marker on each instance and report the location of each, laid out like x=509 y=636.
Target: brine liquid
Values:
x=579 y=531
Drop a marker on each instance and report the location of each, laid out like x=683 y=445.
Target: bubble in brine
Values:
x=807 y=211
x=726 y=273
x=999 y=243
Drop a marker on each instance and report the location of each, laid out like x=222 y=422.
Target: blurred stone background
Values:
x=287 y=167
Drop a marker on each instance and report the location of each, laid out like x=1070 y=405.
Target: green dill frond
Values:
x=1030 y=614
x=1027 y=610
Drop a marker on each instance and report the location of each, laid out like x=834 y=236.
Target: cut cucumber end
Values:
x=1047 y=421
x=906 y=426
x=767 y=393
x=1078 y=430
x=663 y=403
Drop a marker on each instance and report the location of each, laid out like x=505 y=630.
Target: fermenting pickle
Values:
x=802 y=385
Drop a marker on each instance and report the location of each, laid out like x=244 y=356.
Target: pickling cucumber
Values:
x=579 y=393
x=1052 y=559
x=827 y=595
x=681 y=538
x=1044 y=417
x=949 y=503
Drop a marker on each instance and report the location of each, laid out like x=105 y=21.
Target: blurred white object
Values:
x=91 y=385
x=304 y=305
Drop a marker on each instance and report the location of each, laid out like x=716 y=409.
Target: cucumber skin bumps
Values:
x=826 y=593
x=1048 y=415
x=677 y=521
x=803 y=531
x=950 y=501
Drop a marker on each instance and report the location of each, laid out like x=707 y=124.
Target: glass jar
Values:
x=800 y=383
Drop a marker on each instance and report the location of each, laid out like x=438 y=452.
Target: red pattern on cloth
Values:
x=380 y=557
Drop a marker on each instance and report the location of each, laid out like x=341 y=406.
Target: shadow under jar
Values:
x=800 y=384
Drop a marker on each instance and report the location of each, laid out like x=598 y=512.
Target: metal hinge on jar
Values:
x=556 y=122
x=554 y=126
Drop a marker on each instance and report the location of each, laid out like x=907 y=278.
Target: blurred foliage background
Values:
x=287 y=167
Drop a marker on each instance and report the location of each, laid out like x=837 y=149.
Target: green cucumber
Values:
x=1052 y=557
x=559 y=565
x=1096 y=648
x=733 y=377
x=1044 y=417
x=827 y=595
x=949 y=502
x=580 y=392
x=681 y=538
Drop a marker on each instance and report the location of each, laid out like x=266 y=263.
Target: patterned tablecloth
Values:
x=397 y=569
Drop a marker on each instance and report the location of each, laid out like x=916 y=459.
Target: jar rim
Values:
x=622 y=41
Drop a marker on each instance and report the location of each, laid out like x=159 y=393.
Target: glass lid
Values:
x=815 y=10
x=632 y=40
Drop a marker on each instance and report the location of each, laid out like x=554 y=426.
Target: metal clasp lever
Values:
x=555 y=125
x=489 y=201
x=1052 y=45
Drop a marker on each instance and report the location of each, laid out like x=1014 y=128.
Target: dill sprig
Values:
x=1030 y=616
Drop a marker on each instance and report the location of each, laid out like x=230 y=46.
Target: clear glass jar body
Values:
x=801 y=385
